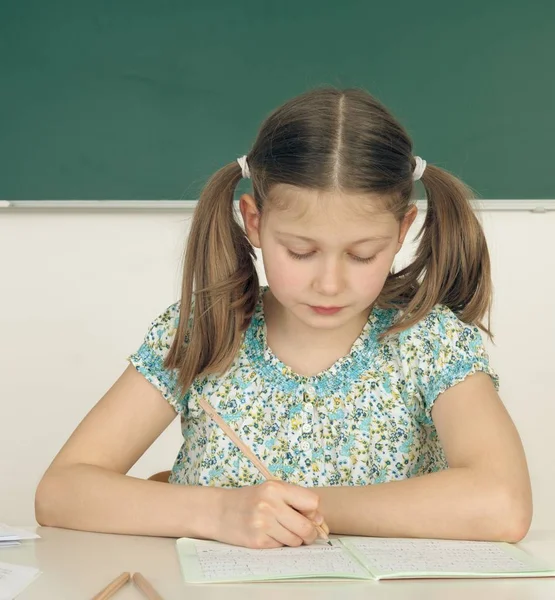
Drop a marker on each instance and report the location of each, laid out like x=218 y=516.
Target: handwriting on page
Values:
x=425 y=556
x=219 y=561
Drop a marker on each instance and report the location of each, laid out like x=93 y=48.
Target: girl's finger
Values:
x=301 y=499
x=297 y=524
x=284 y=536
x=272 y=542
x=317 y=518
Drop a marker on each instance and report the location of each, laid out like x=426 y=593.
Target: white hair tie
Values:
x=244 y=167
x=419 y=168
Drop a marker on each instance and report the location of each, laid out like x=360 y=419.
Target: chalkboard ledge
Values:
x=535 y=205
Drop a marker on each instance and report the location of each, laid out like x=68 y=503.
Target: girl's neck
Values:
x=284 y=328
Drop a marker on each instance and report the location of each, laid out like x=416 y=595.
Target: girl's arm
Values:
x=86 y=488
x=484 y=495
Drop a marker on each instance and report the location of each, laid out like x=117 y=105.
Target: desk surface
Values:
x=77 y=565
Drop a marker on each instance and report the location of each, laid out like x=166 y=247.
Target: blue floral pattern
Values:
x=366 y=419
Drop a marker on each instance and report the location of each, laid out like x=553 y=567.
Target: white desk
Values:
x=76 y=565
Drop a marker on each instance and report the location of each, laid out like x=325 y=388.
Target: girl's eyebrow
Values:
x=374 y=238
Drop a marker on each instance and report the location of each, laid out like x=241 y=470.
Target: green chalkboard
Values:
x=137 y=99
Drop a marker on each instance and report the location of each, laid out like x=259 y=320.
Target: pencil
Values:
x=209 y=409
x=145 y=587
x=113 y=587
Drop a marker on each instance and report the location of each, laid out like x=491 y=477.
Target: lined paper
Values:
x=212 y=561
x=396 y=556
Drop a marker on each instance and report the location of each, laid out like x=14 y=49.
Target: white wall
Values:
x=78 y=289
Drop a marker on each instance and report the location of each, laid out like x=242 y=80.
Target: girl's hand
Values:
x=268 y=515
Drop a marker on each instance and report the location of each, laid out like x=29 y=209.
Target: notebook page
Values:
x=209 y=562
x=399 y=557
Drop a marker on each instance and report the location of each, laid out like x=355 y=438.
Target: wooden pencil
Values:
x=211 y=412
x=113 y=587
x=145 y=587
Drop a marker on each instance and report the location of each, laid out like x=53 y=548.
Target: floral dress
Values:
x=366 y=419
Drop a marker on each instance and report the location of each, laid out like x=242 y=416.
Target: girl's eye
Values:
x=359 y=259
x=299 y=256
x=363 y=260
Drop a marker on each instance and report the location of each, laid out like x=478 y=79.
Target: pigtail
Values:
x=219 y=271
x=452 y=265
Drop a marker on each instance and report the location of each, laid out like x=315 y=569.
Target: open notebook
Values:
x=356 y=558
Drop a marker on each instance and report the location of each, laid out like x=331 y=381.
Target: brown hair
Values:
x=326 y=139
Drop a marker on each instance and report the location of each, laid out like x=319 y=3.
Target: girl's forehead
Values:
x=305 y=209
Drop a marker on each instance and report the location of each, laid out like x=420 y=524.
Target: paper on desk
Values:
x=8 y=533
x=14 y=579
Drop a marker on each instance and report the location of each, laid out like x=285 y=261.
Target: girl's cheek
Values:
x=285 y=272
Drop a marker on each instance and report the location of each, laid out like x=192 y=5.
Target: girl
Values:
x=368 y=393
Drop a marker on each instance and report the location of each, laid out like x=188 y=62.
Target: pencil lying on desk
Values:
x=113 y=587
x=211 y=412
x=145 y=587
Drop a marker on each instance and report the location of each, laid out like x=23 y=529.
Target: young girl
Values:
x=367 y=392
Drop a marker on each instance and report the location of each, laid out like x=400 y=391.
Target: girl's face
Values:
x=326 y=254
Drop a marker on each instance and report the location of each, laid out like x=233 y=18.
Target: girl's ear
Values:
x=407 y=221
x=251 y=219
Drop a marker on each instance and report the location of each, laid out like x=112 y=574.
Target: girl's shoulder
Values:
x=441 y=350
x=148 y=359
x=441 y=337
x=162 y=328
x=441 y=324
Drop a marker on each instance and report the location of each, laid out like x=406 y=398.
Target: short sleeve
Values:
x=441 y=351
x=149 y=358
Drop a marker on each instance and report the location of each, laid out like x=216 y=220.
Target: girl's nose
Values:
x=329 y=279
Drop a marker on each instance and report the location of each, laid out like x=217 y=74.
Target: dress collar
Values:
x=338 y=377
